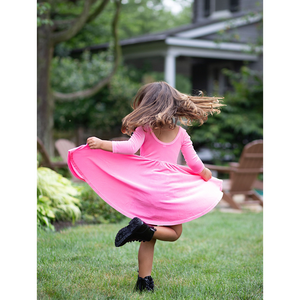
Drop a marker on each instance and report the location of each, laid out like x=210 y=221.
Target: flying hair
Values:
x=158 y=104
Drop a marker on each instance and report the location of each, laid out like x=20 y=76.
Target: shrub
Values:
x=95 y=210
x=45 y=212
x=56 y=198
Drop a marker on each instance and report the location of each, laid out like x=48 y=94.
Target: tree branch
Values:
x=61 y=36
x=97 y=11
x=117 y=57
x=70 y=22
x=63 y=23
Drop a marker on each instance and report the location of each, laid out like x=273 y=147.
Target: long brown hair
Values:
x=158 y=104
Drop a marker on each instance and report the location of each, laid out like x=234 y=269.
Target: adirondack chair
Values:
x=243 y=175
x=46 y=162
x=63 y=146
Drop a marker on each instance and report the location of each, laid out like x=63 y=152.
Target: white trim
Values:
x=207 y=44
x=211 y=53
x=220 y=14
x=170 y=68
x=205 y=30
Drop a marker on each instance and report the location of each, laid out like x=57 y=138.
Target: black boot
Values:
x=137 y=230
x=146 y=283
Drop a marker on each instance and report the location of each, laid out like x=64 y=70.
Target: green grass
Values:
x=219 y=256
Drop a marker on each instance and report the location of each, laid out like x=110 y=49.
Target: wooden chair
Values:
x=63 y=146
x=46 y=162
x=243 y=175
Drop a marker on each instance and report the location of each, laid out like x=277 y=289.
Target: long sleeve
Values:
x=132 y=145
x=190 y=155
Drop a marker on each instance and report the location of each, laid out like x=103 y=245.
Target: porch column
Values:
x=170 y=69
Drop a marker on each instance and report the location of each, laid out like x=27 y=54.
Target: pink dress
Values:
x=150 y=186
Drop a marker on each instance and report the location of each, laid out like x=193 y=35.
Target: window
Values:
x=212 y=7
x=206 y=8
x=234 y=5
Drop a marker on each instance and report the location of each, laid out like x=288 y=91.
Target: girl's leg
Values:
x=168 y=233
x=145 y=258
x=146 y=251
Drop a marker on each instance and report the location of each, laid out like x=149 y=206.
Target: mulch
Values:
x=61 y=225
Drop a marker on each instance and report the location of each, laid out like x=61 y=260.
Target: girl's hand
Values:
x=205 y=174
x=94 y=143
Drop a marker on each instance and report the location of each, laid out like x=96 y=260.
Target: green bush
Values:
x=45 y=213
x=56 y=198
x=95 y=210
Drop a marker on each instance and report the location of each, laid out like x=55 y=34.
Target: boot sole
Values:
x=124 y=233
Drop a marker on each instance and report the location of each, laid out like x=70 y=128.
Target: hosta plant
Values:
x=57 y=198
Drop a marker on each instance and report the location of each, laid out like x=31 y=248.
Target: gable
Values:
x=202 y=31
x=245 y=34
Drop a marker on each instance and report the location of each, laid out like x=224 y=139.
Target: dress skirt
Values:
x=157 y=192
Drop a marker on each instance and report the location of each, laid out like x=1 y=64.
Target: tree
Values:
x=137 y=17
x=54 y=28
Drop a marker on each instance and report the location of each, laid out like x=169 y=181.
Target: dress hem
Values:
x=72 y=163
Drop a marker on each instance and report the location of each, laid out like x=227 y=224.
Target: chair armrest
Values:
x=59 y=164
x=233 y=168
x=221 y=169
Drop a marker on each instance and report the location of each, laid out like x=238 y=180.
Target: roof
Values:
x=189 y=31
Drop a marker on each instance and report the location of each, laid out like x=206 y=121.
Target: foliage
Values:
x=218 y=256
x=137 y=17
x=71 y=75
x=57 y=198
x=45 y=214
x=241 y=120
x=183 y=84
x=95 y=210
x=42 y=9
x=106 y=109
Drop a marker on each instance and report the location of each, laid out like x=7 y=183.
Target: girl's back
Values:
x=162 y=144
x=166 y=135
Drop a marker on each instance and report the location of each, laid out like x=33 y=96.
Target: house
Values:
x=220 y=36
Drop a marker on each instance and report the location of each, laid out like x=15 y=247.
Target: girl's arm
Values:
x=192 y=159
x=123 y=147
x=95 y=143
x=205 y=174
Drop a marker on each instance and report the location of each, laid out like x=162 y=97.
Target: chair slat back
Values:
x=250 y=164
x=63 y=146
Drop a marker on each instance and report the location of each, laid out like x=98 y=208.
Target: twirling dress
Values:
x=150 y=186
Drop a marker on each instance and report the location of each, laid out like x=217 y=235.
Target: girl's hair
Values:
x=157 y=104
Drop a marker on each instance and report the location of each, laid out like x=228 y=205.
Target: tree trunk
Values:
x=46 y=39
x=45 y=100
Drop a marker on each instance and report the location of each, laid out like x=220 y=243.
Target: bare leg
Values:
x=168 y=233
x=146 y=251
x=145 y=258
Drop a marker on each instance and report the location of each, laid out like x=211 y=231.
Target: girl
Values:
x=152 y=189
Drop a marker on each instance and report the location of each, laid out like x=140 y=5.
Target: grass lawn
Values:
x=219 y=256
